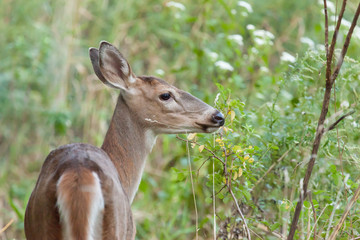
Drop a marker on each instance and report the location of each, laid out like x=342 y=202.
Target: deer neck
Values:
x=128 y=143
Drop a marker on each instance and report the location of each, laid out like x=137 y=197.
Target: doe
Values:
x=84 y=192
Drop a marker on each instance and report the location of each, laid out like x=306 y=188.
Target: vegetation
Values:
x=263 y=63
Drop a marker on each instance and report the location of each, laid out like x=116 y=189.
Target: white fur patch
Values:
x=96 y=210
x=150 y=140
x=131 y=79
x=150 y=120
x=97 y=206
x=64 y=213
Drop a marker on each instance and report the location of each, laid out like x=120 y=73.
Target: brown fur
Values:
x=71 y=186
x=139 y=116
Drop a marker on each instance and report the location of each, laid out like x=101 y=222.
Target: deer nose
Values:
x=218 y=118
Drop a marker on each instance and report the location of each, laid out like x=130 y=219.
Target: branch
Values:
x=325 y=107
x=332 y=126
x=271 y=167
x=347 y=210
x=346 y=44
x=212 y=153
x=314 y=212
x=241 y=214
x=326 y=30
x=333 y=42
x=6 y=226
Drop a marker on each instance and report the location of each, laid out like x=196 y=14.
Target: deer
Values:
x=84 y=192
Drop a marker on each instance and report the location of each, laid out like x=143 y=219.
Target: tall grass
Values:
x=49 y=95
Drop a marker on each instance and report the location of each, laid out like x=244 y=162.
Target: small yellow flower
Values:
x=240 y=172
x=237 y=149
x=191 y=136
x=246 y=157
x=251 y=160
x=201 y=148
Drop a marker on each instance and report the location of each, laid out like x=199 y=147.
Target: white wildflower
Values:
x=177 y=5
x=212 y=55
x=254 y=50
x=250 y=27
x=236 y=38
x=216 y=98
x=233 y=11
x=264 y=69
x=244 y=14
x=346 y=23
x=224 y=65
x=287 y=57
x=355 y=124
x=263 y=34
x=245 y=5
x=308 y=41
x=320 y=47
x=330 y=6
x=159 y=72
x=261 y=41
x=344 y=104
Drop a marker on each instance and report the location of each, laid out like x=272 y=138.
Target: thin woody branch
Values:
x=333 y=42
x=346 y=45
x=347 y=210
x=326 y=30
x=332 y=126
x=330 y=79
x=240 y=212
x=212 y=153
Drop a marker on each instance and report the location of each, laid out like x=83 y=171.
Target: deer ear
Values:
x=112 y=68
x=94 y=57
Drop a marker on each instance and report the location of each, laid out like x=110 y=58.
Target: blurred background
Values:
x=270 y=54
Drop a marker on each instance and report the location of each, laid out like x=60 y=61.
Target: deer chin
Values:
x=208 y=128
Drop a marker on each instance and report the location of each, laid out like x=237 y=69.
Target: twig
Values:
x=213 y=198
x=332 y=126
x=212 y=153
x=330 y=79
x=333 y=43
x=331 y=218
x=322 y=211
x=326 y=30
x=220 y=190
x=193 y=192
x=272 y=166
x=266 y=229
x=347 y=210
x=6 y=226
x=198 y=171
x=241 y=214
x=346 y=45
x=256 y=234
x=314 y=211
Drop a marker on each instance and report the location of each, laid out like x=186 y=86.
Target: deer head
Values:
x=156 y=104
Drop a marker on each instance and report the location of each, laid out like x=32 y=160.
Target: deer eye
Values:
x=165 y=96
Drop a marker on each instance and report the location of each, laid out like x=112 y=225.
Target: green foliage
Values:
x=264 y=67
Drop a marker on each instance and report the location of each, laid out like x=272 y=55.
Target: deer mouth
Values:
x=208 y=128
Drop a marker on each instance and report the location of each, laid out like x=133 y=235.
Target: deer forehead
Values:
x=153 y=85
